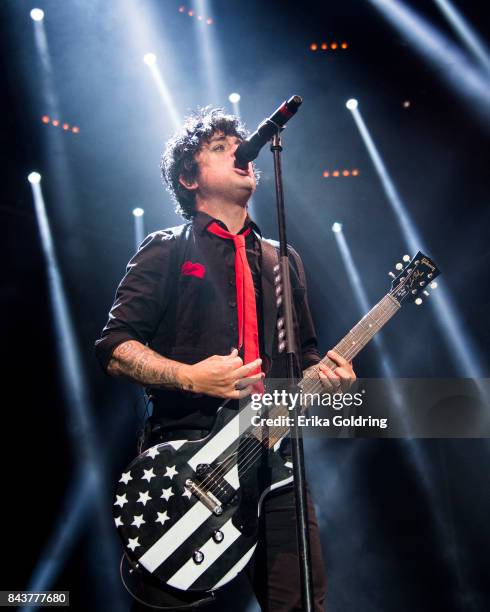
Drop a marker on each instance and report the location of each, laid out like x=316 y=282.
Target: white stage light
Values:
x=234 y=98
x=337 y=227
x=138 y=212
x=351 y=104
x=37 y=14
x=150 y=59
x=34 y=178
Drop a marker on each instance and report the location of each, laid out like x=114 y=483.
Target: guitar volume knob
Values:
x=218 y=536
x=198 y=557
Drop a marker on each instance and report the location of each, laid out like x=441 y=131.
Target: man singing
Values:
x=180 y=327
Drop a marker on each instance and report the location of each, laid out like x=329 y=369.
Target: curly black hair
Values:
x=178 y=158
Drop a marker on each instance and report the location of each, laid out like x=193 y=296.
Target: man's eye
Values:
x=219 y=147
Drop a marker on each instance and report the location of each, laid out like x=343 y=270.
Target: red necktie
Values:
x=248 y=333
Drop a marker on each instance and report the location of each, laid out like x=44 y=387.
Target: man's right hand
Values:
x=221 y=376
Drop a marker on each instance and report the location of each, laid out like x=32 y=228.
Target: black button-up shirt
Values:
x=188 y=313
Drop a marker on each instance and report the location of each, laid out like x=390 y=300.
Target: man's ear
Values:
x=190 y=185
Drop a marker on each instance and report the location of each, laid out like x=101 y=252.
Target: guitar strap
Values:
x=270 y=260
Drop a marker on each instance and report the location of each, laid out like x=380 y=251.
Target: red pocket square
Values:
x=193 y=269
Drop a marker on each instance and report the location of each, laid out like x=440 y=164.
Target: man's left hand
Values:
x=340 y=380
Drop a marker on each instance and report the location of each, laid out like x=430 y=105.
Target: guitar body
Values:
x=198 y=539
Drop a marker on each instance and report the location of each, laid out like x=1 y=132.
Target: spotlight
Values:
x=150 y=59
x=337 y=227
x=209 y=21
x=324 y=46
x=336 y=173
x=334 y=45
x=344 y=45
x=34 y=178
x=326 y=174
x=313 y=46
x=234 y=98
x=406 y=104
x=37 y=14
x=138 y=212
x=351 y=104
x=45 y=119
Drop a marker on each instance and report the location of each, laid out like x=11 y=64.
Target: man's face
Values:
x=218 y=177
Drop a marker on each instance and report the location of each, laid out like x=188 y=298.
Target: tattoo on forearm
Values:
x=141 y=364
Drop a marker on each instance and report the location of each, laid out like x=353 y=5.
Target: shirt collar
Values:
x=202 y=220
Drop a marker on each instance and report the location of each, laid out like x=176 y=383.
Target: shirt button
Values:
x=232 y=304
x=232 y=282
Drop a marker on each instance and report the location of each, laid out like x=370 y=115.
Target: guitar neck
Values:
x=352 y=343
x=356 y=339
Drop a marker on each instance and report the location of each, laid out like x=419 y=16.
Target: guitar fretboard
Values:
x=356 y=339
x=352 y=343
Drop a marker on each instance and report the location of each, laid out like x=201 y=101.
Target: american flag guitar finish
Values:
x=187 y=511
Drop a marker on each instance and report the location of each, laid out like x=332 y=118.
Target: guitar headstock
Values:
x=414 y=278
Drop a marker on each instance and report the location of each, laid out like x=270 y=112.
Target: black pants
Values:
x=273 y=571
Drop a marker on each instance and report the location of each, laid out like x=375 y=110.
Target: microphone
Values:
x=248 y=150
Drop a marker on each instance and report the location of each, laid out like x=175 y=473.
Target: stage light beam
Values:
x=79 y=422
x=139 y=226
x=34 y=178
x=209 y=53
x=461 y=347
x=448 y=60
x=465 y=32
x=37 y=14
x=150 y=59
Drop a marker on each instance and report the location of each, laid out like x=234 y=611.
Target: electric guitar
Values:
x=187 y=511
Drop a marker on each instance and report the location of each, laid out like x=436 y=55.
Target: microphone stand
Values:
x=293 y=376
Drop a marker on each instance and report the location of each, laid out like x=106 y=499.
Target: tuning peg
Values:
x=276 y=268
x=278 y=290
x=281 y=335
x=426 y=293
x=399 y=266
x=280 y=323
x=279 y=301
x=406 y=258
x=392 y=274
x=418 y=301
x=281 y=347
x=277 y=279
x=433 y=285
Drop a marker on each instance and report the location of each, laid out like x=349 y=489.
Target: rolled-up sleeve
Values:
x=141 y=297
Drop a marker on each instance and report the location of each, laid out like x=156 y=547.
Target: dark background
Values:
x=404 y=523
